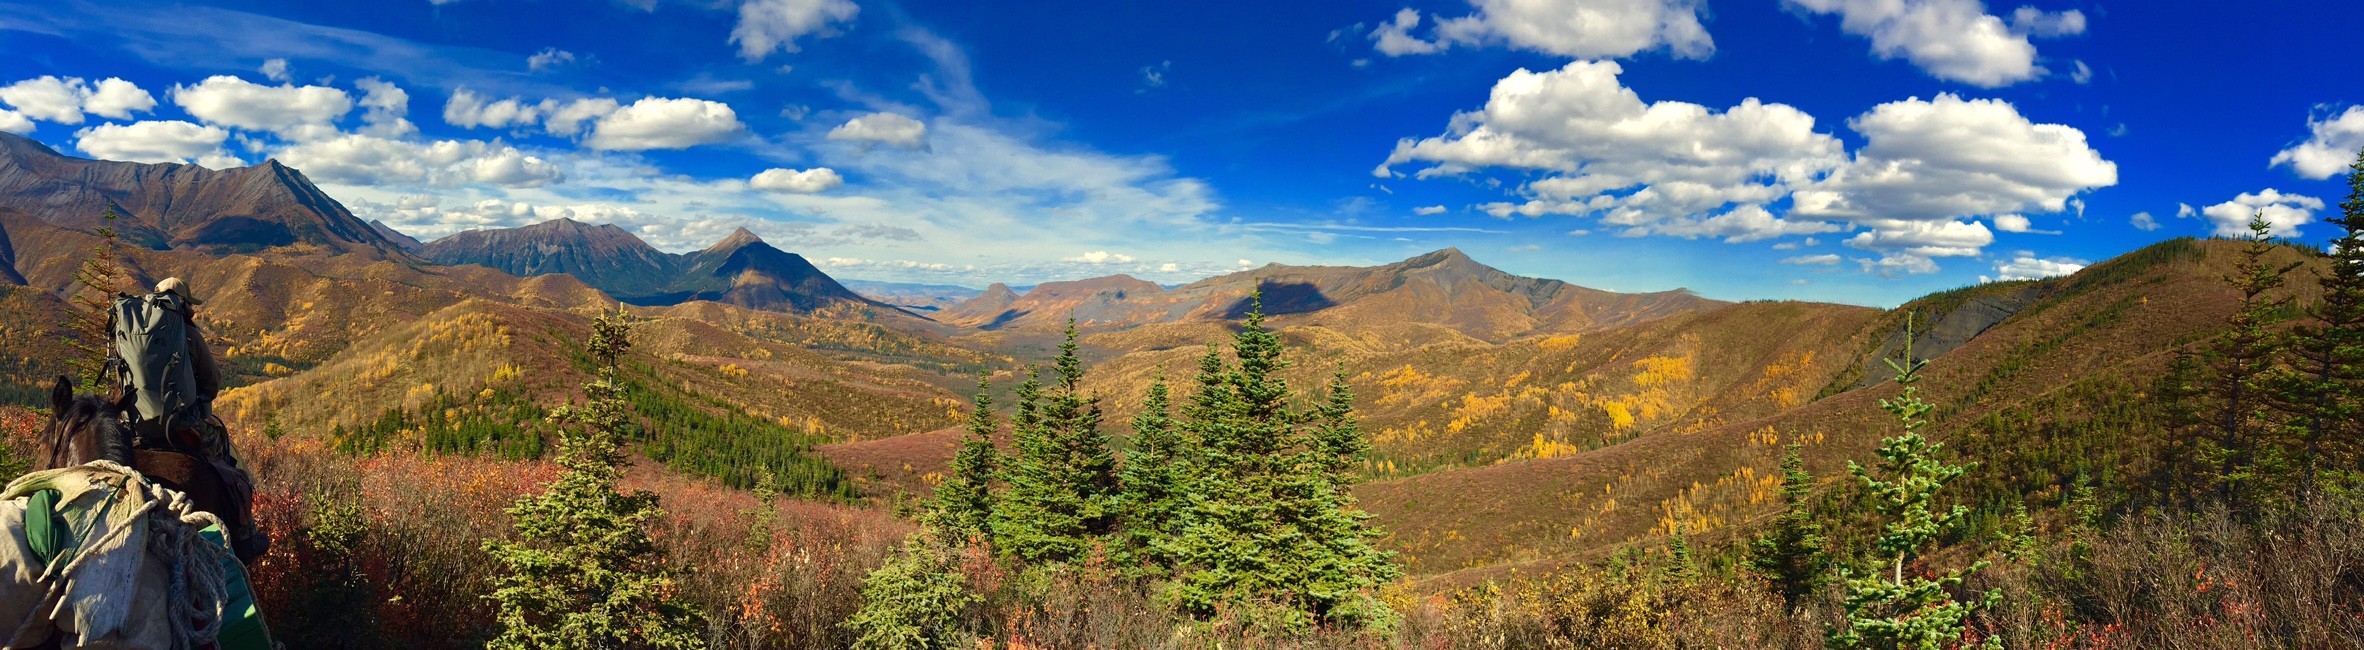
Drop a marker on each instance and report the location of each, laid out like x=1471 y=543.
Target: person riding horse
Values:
x=192 y=427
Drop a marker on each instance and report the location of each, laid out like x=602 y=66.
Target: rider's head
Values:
x=176 y=287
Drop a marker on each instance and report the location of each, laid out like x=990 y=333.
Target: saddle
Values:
x=174 y=456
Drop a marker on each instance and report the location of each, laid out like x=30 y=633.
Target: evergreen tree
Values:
x=584 y=572
x=1267 y=531
x=913 y=601
x=1087 y=458
x=1792 y=555
x=1678 y=549
x=2244 y=355
x=1156 y=474
x=2320 y=394
x=964 y=503
x=1896 y=610
x=1062 y=485
x=1337 y=439
x=2178 y=396
x=98 y=279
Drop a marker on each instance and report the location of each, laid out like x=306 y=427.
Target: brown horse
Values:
x=84 y=428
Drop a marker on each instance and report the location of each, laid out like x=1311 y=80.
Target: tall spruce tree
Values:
x=97 y=280
x=2319 y=394
x=1337 y=439
x=1155 y=483
x=2244 y=355
x=583 y=571
x=2178 y=396
x=964 y=503
x=1792 y=555
x=1887 y=608
x=1089 y=459
x=1267 y=534
x=1062 y=484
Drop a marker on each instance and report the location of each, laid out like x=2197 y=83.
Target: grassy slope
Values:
x=2115 y=323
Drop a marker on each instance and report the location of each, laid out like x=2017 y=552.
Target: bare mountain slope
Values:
x=182 y=206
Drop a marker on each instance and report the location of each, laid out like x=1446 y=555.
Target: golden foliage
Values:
x=1661 y=370
x=1620 y=417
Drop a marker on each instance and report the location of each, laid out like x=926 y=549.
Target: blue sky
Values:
x=1863 y=151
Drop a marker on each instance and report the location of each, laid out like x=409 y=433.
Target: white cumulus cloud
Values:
x=14 y=122
x=466 y=109
x=1955 y=40
x=1102 y=257
x=64 y=100
x=1928 y=163
x=1638 y=165
x=2331 y=145
x=665 y=123
x=2283 y=213
x=886 y=128
x=1429 y=210
x=2144 y=221
x=118 y=99
x=569 y=118
x=1582 y=29
x=48 y=98
x=548 y=58
x=2026 y=266
x=1808 y=260
x=766 y=26
x=794 y=181
x=384 y=106
x=276 y=70
x=299 y=112
x=150 y=141
x=374 y=161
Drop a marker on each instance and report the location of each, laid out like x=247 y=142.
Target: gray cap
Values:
x=175 y=286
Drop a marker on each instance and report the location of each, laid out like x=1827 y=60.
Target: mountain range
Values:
x=740 y=270
x=180 y=206
x=1515 y=421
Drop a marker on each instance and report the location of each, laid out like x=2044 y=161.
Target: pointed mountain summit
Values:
x=180 y=206
x=744 y=270
x=740 y=238
x=741 y=269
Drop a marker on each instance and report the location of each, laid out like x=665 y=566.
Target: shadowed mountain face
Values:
x=740 y=270
x=181 y=206
x=8 y=274
x=1445 y=288
x=407 y=242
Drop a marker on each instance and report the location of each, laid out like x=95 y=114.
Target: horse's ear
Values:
x=61 y=395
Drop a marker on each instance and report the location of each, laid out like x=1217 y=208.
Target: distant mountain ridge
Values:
x=924 y=297
x=741 y=269
x=246 y=209
x=1443 y=287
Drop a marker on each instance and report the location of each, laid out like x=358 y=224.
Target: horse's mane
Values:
x=92 y=411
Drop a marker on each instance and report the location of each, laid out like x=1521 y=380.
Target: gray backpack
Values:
x=151 y=335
